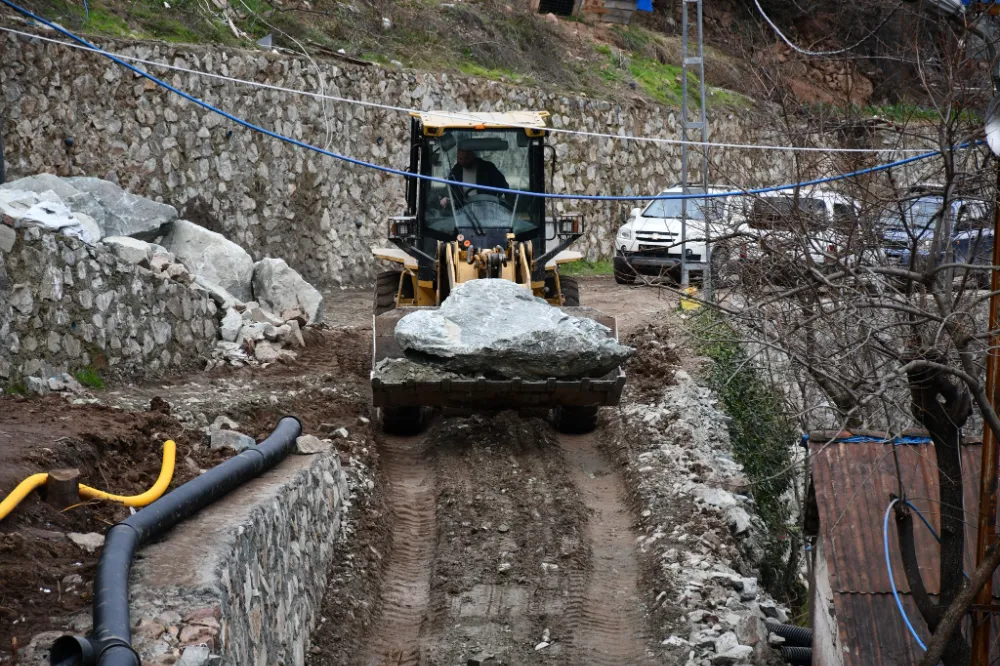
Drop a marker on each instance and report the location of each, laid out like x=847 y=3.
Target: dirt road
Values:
x=508 y=540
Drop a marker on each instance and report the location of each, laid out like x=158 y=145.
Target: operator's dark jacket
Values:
x=487 y=174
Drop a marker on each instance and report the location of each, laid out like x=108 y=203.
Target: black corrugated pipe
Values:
x=110 y=642
x=794 y=636
x=797 y=656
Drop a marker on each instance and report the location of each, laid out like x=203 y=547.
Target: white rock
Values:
x=675 y=642
x=196 y=655
x=223 y=422
x=89 y=542
x=277 y=287
x=211 y=256
x=341 y=432
x=265 y=352
x=124 y=214
x=43 y=182
x=232 y=440
x=221 y=297
x=736 y=656
x=37 y=385
x=716 y=497
x=57 y=217
x=128 y=249
x=231 y=325
x=310 y=444
x=7 y=238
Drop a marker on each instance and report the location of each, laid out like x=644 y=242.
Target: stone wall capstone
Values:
x=66 y=305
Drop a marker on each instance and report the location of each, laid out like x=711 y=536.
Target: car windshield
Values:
x=494 y=158
x=696 y=208
x=786 y=213
x=917 y=216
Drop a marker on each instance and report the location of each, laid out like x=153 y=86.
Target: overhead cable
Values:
x=807 y=52
x=483 y=188
x=458 y=115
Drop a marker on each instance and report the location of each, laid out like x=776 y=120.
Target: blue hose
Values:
x=892 y=580
x=888 y=563
x=434 y=179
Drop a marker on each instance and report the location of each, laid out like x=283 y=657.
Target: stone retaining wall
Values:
x=321 y=215
x=66 y=305
x=241 y=583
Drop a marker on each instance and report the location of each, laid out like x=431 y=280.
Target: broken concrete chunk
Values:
x=499 y=328
x=310 y=444
x=128 y=249
x=277 y=287
x=291 y=334
x=89 y=542
x=230 y=439
x=125 y=214
x=211 y=256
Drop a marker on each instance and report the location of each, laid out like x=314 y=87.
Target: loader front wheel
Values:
x=574 y=420
x=386 y=288
x=570 y=291
x=402 y=420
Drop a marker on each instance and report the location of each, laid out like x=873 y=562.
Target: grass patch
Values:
x=761 y=437
x=17 y=388
x=506 y=75
x=89 y=378
x=586 y=268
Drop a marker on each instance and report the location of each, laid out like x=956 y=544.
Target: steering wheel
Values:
x=488 y=198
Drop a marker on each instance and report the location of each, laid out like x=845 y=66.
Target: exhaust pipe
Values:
x=110 y=642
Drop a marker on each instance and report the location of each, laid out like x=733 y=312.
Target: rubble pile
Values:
x=697 y=528
x=263 y=306
x=499 y=327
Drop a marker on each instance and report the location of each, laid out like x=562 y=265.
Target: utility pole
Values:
x=986 y=535
x=697 y=64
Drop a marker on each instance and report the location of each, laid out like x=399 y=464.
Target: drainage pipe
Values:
x=794 y=636
x=110 y=642
x=797 y=656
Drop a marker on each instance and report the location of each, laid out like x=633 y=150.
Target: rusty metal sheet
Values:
x=854 y=482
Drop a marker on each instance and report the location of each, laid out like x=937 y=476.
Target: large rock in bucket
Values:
x=496 y=327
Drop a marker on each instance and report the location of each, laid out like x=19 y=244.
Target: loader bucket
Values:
x=489 y=394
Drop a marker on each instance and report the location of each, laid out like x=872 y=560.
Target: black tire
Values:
x=574 y=420
x=624 y=273
x=386 y=288
x=402 y=420
x=570 y=291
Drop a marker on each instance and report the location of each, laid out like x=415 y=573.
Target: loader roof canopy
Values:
x=468 y=120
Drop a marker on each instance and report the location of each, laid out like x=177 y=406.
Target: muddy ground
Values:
x=485 y=536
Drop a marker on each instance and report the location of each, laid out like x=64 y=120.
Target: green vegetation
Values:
x=761 y=436
x=474 y=69
x=587 y=268
x=16 y=388
x=901 y=113
x=89 y=378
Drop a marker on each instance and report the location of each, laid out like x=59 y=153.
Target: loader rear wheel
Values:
x=402 y=420
x=570 y=290
x=386 y=288
x=574 y=420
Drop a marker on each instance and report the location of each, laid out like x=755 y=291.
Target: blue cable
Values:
x=888 y=562
x=892 y=580
x=86 y=9
x=434 y=179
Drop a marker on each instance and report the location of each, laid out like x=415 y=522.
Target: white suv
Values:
x=650 y=240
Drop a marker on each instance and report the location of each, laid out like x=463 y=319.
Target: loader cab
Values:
x=480 y=216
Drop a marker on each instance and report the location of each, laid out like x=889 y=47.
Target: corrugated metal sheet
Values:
x=853 y=483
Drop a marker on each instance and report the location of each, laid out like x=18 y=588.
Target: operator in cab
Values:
x=469 y=168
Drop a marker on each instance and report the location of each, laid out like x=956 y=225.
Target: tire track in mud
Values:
x=406 y=587
x=608 y=624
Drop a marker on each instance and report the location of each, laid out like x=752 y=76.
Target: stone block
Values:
x=211 y=256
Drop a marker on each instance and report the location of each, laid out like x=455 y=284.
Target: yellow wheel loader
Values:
x=450 y=234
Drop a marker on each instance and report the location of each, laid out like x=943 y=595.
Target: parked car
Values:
x=649 y=242
x=778 y=233
x=907 y=226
